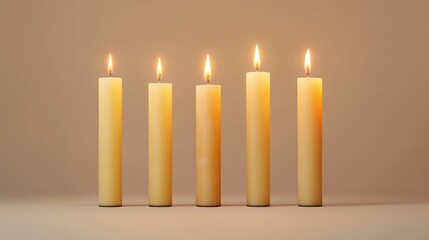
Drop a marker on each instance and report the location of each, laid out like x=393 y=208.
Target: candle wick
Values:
x=308 y=72
x=208 y=80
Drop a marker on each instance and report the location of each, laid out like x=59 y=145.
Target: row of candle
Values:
x=208 y=139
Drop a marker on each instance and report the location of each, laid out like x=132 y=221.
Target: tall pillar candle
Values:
x=208 y=143
x=110 y=140
x=258 y=136
x=309 y=139
x=160 y=142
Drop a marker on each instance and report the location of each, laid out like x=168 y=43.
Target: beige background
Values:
x=371 y=54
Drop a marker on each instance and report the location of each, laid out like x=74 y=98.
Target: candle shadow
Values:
x=233 y=205
x=184 y=205
x=283 y=205
x=135 y=205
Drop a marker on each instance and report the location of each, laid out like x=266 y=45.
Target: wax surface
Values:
x=258 y=138
x=310 y=141
x=110 y=141
x=160 y=143
x=208 y=149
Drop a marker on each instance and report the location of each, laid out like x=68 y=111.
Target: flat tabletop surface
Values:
x=339 y=218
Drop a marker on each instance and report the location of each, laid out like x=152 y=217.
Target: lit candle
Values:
x=110 y=140
x=160 y=142
x=208 y=140
x=309 y=138
x=258 y=136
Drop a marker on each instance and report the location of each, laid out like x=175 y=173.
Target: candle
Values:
x=110 y=140
x=208 y=141
x=160 y=142
x=258 y=136
x=309 y=138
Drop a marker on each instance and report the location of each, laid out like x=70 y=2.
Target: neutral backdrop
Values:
x=372 y=55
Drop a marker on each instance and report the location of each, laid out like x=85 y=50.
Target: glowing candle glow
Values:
x=207 y=70
x=159 y=70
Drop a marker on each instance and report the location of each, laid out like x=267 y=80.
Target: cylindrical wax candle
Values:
x=110 y=141
x=160 y=143
x=309 y=139
x=258 y=137
x=208 y=144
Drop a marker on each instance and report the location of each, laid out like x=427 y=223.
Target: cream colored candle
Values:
x=309 y=139
x=258 y=136
x=110 y=140
x=160 y=142
x=208 y=140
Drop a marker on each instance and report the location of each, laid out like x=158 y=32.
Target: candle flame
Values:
x=307 y=63
x=159 y=70
x=207 y=70
x=257 y=59
x=110 y=66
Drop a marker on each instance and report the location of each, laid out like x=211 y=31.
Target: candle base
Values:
x=248 y=205
x=160 y=206
x=120 y=205
x=207 y=205
x=319 y=205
